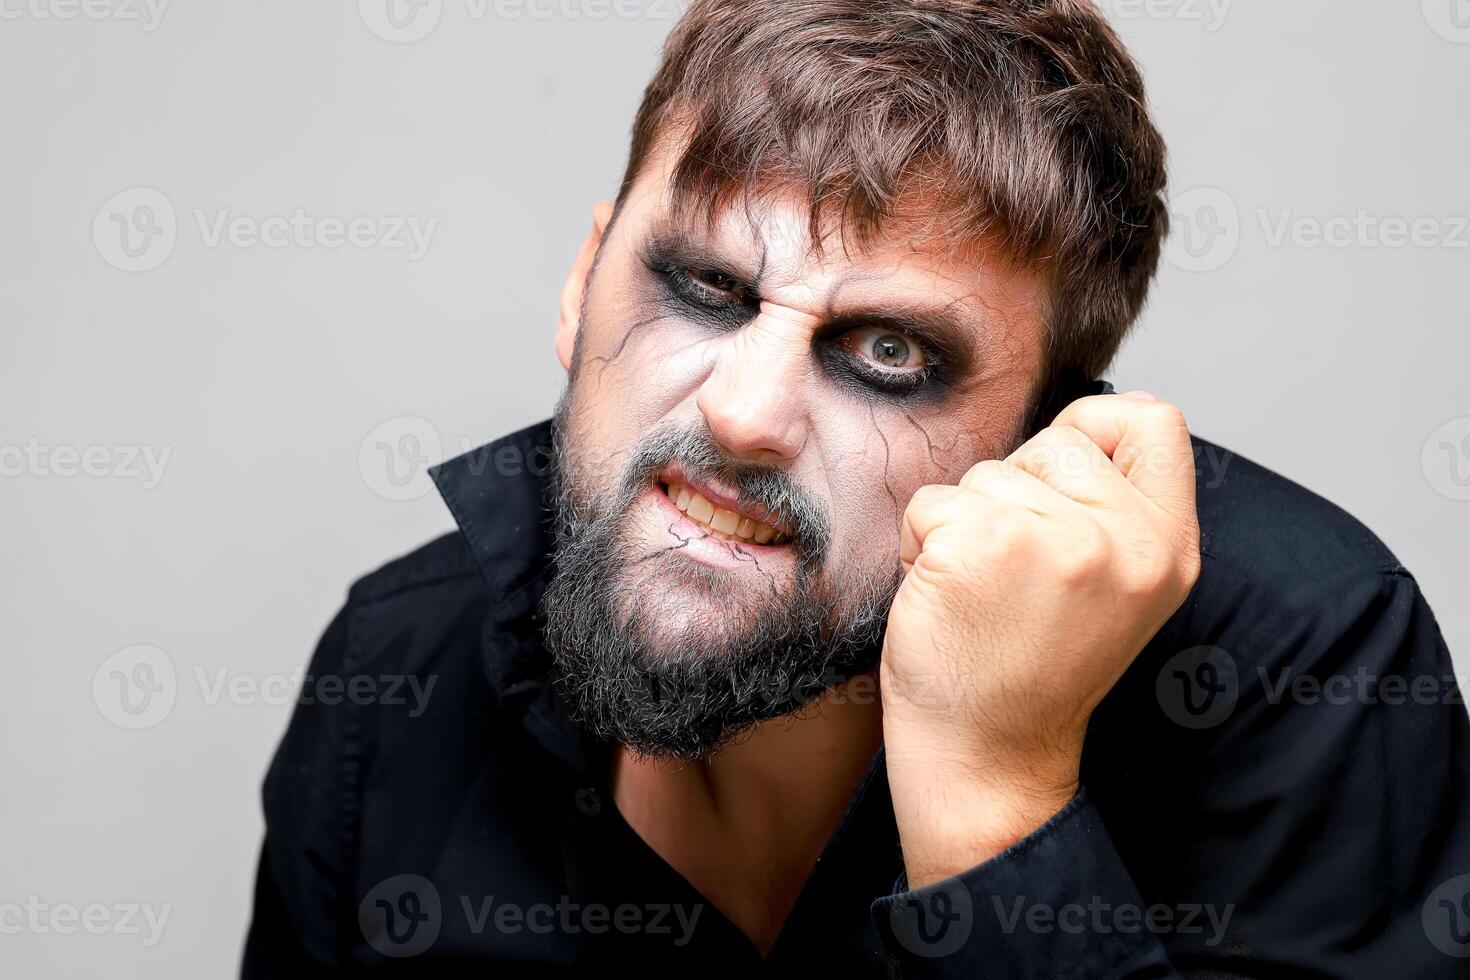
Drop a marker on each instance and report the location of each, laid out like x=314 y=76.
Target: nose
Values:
x=752 y=398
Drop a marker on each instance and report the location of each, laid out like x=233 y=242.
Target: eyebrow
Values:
x=670 y=243
x=954 y=339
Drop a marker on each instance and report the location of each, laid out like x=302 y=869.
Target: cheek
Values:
x=874 y=461
x=638 y=360
x=637 y=363
x=877 y=456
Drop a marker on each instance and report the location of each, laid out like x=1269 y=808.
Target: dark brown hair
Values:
x=1020 y=123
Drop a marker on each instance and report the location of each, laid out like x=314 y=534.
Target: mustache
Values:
x=758 y=485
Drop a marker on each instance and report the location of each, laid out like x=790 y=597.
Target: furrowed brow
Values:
x=955 y=328
x=669 y=242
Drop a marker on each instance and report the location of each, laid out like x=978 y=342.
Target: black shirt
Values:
x=1276 y=788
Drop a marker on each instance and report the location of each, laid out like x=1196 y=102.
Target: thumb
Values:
x=1147 y=440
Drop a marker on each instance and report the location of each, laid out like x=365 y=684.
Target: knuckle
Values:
x=1062 y=438
x=1068 y=433
x=930 y=495
x=1004 y=529
x=1067 y=450
x=1089 y=551
x=1167 y=414
x=1161 y=570
x=985 y=471
x=1143 y=579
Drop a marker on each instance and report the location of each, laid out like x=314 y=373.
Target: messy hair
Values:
x=1022 y=125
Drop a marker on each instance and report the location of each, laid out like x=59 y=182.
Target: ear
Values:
x=570 y=314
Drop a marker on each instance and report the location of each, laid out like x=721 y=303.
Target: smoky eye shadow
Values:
x=668 y=262
x=664 y=250
x=844 y=367
x=668 y=257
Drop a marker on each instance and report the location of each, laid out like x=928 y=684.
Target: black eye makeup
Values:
x=709 y=288
x=698 y=283
x=883 y=358
x=880 y=353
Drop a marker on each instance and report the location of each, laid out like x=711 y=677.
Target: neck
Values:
x=821 y=751
x=745 y=825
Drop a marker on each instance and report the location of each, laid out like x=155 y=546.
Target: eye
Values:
x=886 y=359
x=711 y=287
x=888 y=348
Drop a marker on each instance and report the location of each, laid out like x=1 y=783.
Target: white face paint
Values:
x=857 y=378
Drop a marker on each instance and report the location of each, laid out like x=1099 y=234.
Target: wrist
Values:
x=953 y=815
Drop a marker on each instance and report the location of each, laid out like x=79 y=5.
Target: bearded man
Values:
x=841 y=619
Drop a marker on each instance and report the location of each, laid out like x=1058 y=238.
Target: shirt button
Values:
x=588 y=801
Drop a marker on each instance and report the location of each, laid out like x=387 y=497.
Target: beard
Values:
x=674 y=658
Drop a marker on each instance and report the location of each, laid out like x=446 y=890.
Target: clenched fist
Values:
x=1029 y=589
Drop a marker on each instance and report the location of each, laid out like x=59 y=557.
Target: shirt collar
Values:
x=498 y=495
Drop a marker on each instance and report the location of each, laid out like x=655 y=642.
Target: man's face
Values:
x=745 y=422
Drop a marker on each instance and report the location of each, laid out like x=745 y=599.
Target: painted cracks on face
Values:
x=929 y=441
x=887 y=459
x=608 y=359
x=741 y=554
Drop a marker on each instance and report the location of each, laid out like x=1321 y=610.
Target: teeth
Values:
x=721 y=522
x=700 y=509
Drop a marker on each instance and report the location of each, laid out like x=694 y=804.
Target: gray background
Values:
x=271 y=374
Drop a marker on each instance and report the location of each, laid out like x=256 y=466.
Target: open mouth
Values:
x=720 y=522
